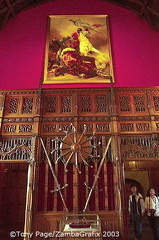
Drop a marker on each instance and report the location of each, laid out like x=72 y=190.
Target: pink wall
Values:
x=22 y=44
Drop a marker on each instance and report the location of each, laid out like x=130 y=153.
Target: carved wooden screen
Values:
x=140 y=147
x=17 y=145
x=17 y=112
x=77 y=191
x=131 y=116
x=87 y=108
x=16 y=149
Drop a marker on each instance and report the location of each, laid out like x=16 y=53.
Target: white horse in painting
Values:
x=85 y=47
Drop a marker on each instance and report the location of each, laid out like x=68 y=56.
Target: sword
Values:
x=56 y=190
x=54 y=175
x=97 y=175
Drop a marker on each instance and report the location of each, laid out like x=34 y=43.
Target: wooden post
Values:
x=96 y=207
x=29 y=196
x=2 y=102
x=29 y=193
x=116 y=159
x=75 y=189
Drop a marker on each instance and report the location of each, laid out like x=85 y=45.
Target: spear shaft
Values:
x=97 y=175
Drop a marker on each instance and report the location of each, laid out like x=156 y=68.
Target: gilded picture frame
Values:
x=78 y=50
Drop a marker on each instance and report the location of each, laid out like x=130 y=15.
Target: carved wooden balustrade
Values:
x=133 y=121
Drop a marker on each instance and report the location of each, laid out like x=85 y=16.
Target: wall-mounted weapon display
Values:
x=76 y=148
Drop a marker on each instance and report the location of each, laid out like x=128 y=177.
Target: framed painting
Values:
x=78 y=50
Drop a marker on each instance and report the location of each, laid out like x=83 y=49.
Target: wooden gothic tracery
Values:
x=134 y=125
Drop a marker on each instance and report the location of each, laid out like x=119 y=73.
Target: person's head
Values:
x=133 y=189
x=151 y=192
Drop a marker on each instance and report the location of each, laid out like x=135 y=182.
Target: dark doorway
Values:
x=13 y=182
x=147 y=233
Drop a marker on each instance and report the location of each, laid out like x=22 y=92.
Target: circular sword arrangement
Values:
x=75 y=148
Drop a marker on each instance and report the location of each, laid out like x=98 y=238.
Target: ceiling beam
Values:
x=145 y=13
x=9 y=5
x=4 y=22
x=153 y=11
x=149 y=19
x=143 y=9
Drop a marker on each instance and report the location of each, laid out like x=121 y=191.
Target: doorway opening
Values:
x=13 y=185
x=138 y=178
x=143 y=174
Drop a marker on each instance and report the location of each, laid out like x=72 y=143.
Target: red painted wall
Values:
x=135 y=46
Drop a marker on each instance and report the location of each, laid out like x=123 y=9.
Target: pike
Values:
x=54 y=175
x=97 y=175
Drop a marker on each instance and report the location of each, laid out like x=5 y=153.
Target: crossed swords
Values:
x=54 y=176
x=66 y=185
